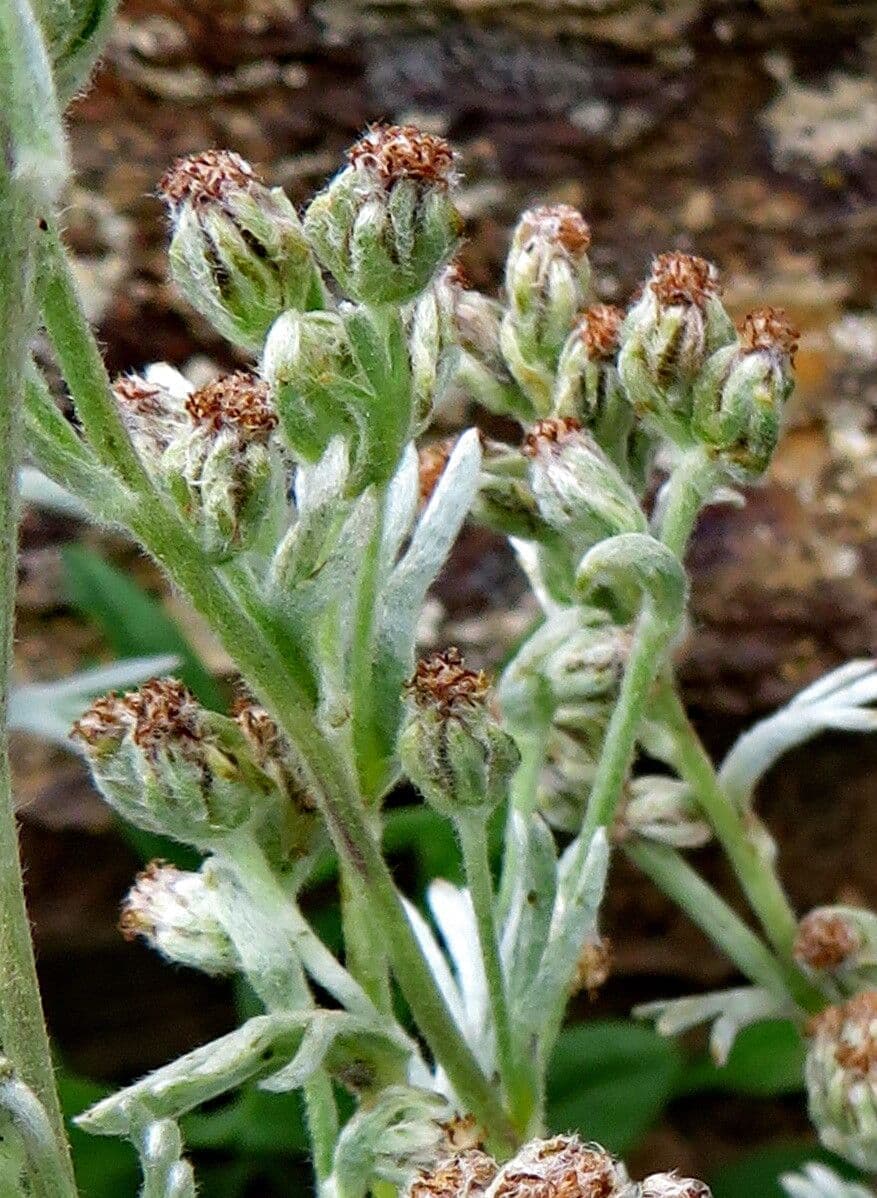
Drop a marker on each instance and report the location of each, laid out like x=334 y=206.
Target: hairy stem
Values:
x=756 y=875
x=472 y=829
x=669 y=870
x=22 y=1030
x=367 y=750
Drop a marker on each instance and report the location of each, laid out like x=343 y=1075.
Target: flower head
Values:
x=841 y=1075
x=562 y=1167
x=466 y=1175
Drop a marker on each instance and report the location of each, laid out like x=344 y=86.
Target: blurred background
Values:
x=746 y=132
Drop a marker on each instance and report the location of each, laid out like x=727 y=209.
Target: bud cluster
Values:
x=172 y=767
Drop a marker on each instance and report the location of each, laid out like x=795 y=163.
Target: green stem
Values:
x=22 y=1029
x=364 y=953
x=472 y=830
x=523 y=795
x=757 y=877
x=684 y=494
x=47 y=1169
x=321 y=1113
x=82 y=365
x=672 y=874
x=366 y=745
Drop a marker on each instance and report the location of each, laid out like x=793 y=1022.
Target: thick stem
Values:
x=757 y=877
x=22 y=1030
x=672 y=874
x=364 y=953
x=472 y=830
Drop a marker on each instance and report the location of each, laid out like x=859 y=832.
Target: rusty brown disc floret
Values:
x=236 y=401
x=562 y=1167
x=683 y=279
x=600 y=330
x=206 y=177
x=466 y=1175
x=853 y=1027
x=442 y=682
x=138 y=396
x=388 y=153
x=135 y=918
x=825 y=940
x=546 y=433
x=163 y=709
x=770 y=329
x=106 y=719
x=670 y=1185
x=560 y=223
x=432 y=460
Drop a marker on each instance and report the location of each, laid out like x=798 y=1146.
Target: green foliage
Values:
x=610 y=1080
x=757 y=1173
x=767 y=1060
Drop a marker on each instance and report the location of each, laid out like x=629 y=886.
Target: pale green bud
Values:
x=238 y=252
x=546 y=278
x=561 y=1165
x=663 y=809
x=452 y=747
x=576 y=657
x=174 y=911
x=739 y=397
x=589 y=389
x=505 y=501
x=472 y=322
x=225 y=469
x=312 y=374
x=171 y=767
x=579 y=492
x=841 y=1076
x=840 y=942
x=387 y=223
x=668 y=334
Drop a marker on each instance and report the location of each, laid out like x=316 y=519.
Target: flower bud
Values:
x=575 y=658
x=841 y=1076
x=742 y=390
x=668 y=1185
x=593 y=967
x=561 y=1166
x=452 y=747
x=547 y=275
x=505 y=501
x=668 y=334
x=841 y=942
x=153 y=414
x=466 y=1175
x=238 y=251
x=312 y=374
x=173 y=910
x=589 y=389
x=386 y=223
x=663 y=809
x=171 y=767
x=472 y=322
x=577 y=489
x=224 y=469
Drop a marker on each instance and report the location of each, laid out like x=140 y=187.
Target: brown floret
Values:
x=546 y=433
x=558 y=222
x=432 y=460
x=683 y=279
x=851 y=1026
x=389 y=153
x=238 y=401
x=769 y=328
x=134 y=918
x=593 y=967
x=600 y=329
x=825 y=940
x=162 y=709
x=560 y=1168
x=466 y=1175
x=205 y=177
x=138 y=396
x=443 y=682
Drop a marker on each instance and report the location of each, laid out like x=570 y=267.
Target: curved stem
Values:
x=757 y=877
x=682 y=496
x=472 y=829
x=672 y=874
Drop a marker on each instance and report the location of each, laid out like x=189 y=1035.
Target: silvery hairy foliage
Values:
x=304 y=508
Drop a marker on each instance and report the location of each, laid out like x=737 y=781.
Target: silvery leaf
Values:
x=841 y=701
x=403 y=495
x=728 y=1010
x=818 y=1181
x=454 y=915
x=526 y=927
x=48 y=709
x=37 y=488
